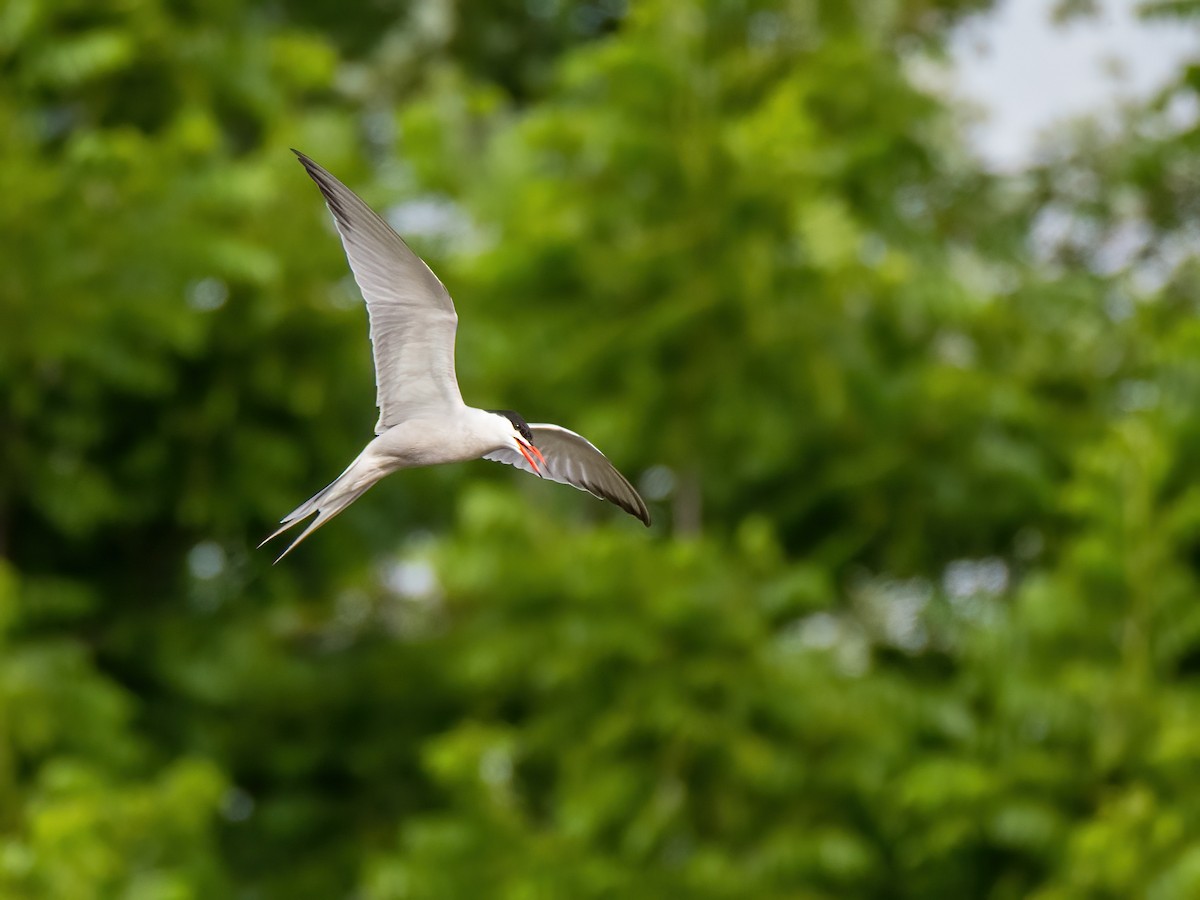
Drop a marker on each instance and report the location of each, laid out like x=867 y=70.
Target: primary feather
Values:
x=573 y=459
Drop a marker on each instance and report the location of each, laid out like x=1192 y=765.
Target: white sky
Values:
x=1028 y=72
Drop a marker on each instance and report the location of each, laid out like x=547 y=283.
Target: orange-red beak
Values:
x=532 y=455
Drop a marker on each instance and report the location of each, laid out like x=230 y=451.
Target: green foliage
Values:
x=918 y=614
x=89 y=809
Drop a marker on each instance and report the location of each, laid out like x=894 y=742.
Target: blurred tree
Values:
x=848 y=274
x=917 y=617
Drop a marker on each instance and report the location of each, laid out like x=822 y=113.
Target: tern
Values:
x=423 y=420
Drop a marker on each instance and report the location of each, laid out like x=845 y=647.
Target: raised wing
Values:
x=573 y=460
x=412 y=316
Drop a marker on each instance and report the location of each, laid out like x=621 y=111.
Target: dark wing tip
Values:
x=637 y=508
x=639 y=512
x=632 y=503
x=309 y=164
x=327 y=184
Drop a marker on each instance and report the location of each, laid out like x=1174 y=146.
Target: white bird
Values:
x=422 y=418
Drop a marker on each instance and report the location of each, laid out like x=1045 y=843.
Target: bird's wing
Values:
x=573 y=460
x=412 y=316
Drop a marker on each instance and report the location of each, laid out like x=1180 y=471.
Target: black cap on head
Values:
x=518 y=423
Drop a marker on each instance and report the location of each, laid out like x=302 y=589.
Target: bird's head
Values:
x=520 y=438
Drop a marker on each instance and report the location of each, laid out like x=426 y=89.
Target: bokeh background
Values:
x=919 y=615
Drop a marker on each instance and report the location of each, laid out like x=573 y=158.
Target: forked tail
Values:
x=328 y=502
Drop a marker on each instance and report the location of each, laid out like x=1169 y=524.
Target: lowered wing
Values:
x=572 y=459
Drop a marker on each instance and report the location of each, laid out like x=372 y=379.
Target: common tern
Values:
x=422 y=418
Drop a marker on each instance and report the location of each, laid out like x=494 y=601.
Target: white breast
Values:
x=425 y=441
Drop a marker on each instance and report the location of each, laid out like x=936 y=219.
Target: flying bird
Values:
x=422 y=418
